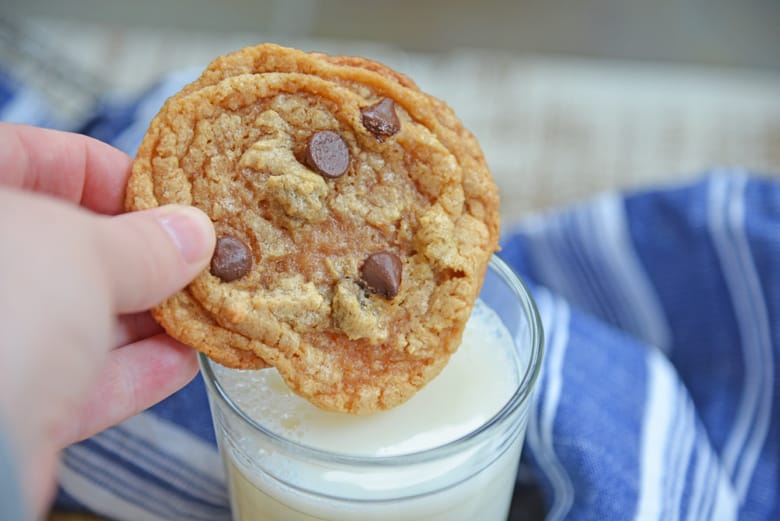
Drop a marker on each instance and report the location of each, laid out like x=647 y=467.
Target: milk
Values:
x=384 y=466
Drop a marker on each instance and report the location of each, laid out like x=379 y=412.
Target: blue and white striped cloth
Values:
x=658 y=398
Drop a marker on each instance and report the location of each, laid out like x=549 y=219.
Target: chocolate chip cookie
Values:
x=355 y=218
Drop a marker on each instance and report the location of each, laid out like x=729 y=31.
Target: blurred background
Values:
x=568 y=98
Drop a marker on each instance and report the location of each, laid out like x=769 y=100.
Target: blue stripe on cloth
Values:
x=111 y=119
x=26 y=107
x=670 y=235
x=123 y=123
x=185 y=409
x=760 y=470
x=8 y=89
x=698 y=477
x=584 y=428
x=123 y=479
x=555 y=315
x=177 y=485
x=161 y=464
x=68 y=503
x=591 y=422
x=19 y=104
x=586 y=255
x=748 y=432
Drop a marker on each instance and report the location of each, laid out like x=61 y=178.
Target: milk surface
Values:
x=478 y=381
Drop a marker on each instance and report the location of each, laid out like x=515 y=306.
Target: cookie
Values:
x=355 y=218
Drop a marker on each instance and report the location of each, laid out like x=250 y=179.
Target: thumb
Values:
x=151 y=254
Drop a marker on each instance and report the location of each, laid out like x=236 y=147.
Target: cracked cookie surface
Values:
x=356 y=218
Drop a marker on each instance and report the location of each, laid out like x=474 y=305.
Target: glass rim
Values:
x=521 y=395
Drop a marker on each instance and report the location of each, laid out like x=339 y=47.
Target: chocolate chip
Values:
x=232 y=259
x=327 y=153
x=381 y=273
x=381 y=120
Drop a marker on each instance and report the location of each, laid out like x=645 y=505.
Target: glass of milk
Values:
x=448 y=454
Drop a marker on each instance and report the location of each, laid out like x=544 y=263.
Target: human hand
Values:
x=78 y=350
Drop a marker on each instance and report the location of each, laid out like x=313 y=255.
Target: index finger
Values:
x=69 y=166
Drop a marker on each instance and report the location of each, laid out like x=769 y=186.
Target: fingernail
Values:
x=190 y=230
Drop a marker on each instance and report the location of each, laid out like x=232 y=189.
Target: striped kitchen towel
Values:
x=662 y=309
x=658 y=398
